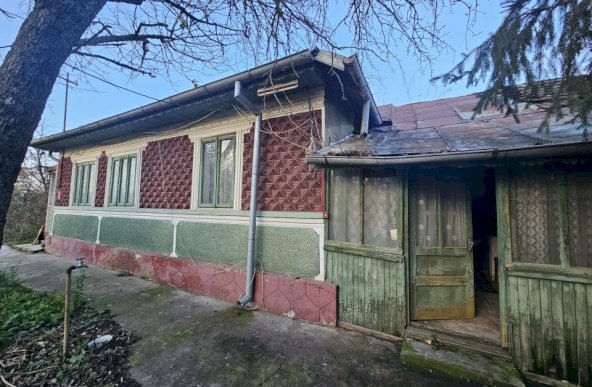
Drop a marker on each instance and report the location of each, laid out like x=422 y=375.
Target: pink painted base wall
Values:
x=301 y=299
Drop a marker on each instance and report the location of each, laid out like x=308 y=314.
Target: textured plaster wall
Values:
x=167 y=166
x=78 y=227
x=63 y=182
x=286 y=250
x=101 y=180
x=286 y=181
x=150 y=235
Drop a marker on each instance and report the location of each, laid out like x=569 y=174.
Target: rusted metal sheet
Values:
x=450 y=126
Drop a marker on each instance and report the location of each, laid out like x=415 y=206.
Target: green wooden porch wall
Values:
x=371 y=288
x=550 y=325
x=546 y=309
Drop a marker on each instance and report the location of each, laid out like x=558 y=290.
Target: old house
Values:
x=409 y=220
x=474 y=229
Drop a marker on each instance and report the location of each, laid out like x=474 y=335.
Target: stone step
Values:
x=29 y=248
x=474 y=345
x=459 y=363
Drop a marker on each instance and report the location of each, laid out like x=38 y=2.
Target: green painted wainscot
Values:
x=550 y=321
x=371 y=286
x=287 y=250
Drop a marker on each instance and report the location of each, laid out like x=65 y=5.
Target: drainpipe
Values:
x=250 y=284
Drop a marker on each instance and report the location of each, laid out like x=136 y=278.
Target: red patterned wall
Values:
x=166 y=174
x=302 y=299
x=101 y=180
x=63 y=183
x=286 y=182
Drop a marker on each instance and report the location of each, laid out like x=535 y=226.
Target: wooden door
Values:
x=441 y=264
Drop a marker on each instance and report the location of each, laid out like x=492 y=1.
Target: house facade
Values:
x=163 y=191
x=419 y=220
x=471 y=229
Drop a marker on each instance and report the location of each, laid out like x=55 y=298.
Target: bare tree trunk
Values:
x=27 y=76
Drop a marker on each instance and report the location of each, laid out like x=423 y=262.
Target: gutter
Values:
x=482 y=155
x=353 y=64
x=250 y=277
x=185 y=97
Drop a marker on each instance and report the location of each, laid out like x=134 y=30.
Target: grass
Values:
x=22 y=309
x=31 y=329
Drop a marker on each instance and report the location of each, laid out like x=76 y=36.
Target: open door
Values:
x=441 y=242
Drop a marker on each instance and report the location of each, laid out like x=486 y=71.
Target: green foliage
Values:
x=22 y=309
x=547 y=45
x=25 y=216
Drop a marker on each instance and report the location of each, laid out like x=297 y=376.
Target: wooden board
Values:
x=371 y=289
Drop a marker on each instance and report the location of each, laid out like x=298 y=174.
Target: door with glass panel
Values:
x=441 y=264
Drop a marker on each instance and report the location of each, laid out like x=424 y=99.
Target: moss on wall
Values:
x=78 y=227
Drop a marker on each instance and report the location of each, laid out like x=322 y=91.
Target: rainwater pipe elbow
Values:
x=250 y=277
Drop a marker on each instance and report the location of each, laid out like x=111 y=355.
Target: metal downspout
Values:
x=250 y=284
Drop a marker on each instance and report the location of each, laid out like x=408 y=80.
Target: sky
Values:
x=397 y=83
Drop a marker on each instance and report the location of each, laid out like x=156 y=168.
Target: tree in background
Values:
x=153 y=37
x=541 y=54
x=26 y=213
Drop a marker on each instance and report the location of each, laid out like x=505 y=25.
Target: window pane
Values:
x=123 y=181
x=131 y=191
x=208 y=169
x=77 y=185
x=453 y=213
x=380 y=207
x=226 y=179
x=534 y=217
x=579 y=218
x=344 y=219
x=115 y=181
x=426 y=212
x=85 y=185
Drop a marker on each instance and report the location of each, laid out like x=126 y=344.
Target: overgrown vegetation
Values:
x=26 y=213
x=31 y=330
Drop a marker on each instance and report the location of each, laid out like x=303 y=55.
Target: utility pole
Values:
x=67 y=79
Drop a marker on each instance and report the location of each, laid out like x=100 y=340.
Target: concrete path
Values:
x=188 y=340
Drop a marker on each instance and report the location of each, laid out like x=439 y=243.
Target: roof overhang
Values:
x=489 y=156
x=200 y=103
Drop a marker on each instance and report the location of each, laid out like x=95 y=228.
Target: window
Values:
x=217 y=172
x=122 y=190
x=551 y=217
x=82 y=187
x=364 y=207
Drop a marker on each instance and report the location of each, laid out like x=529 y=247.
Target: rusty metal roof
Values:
x=448 y=127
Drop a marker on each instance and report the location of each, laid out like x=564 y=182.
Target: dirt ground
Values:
x=184 y=339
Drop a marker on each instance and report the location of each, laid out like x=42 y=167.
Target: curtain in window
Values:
x=380 y=198
x=427 y=212
x=534 y=217
x=208 y=172
x=226 y=180
x=579 y=219
x=344 y=219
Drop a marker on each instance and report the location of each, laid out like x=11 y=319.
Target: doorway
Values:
x=464 y=208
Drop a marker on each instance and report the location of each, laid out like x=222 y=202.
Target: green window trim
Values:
x=82 y=193
x=217 y=172
x=122 y=183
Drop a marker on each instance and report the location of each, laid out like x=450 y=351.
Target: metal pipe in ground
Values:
x=67 y=295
